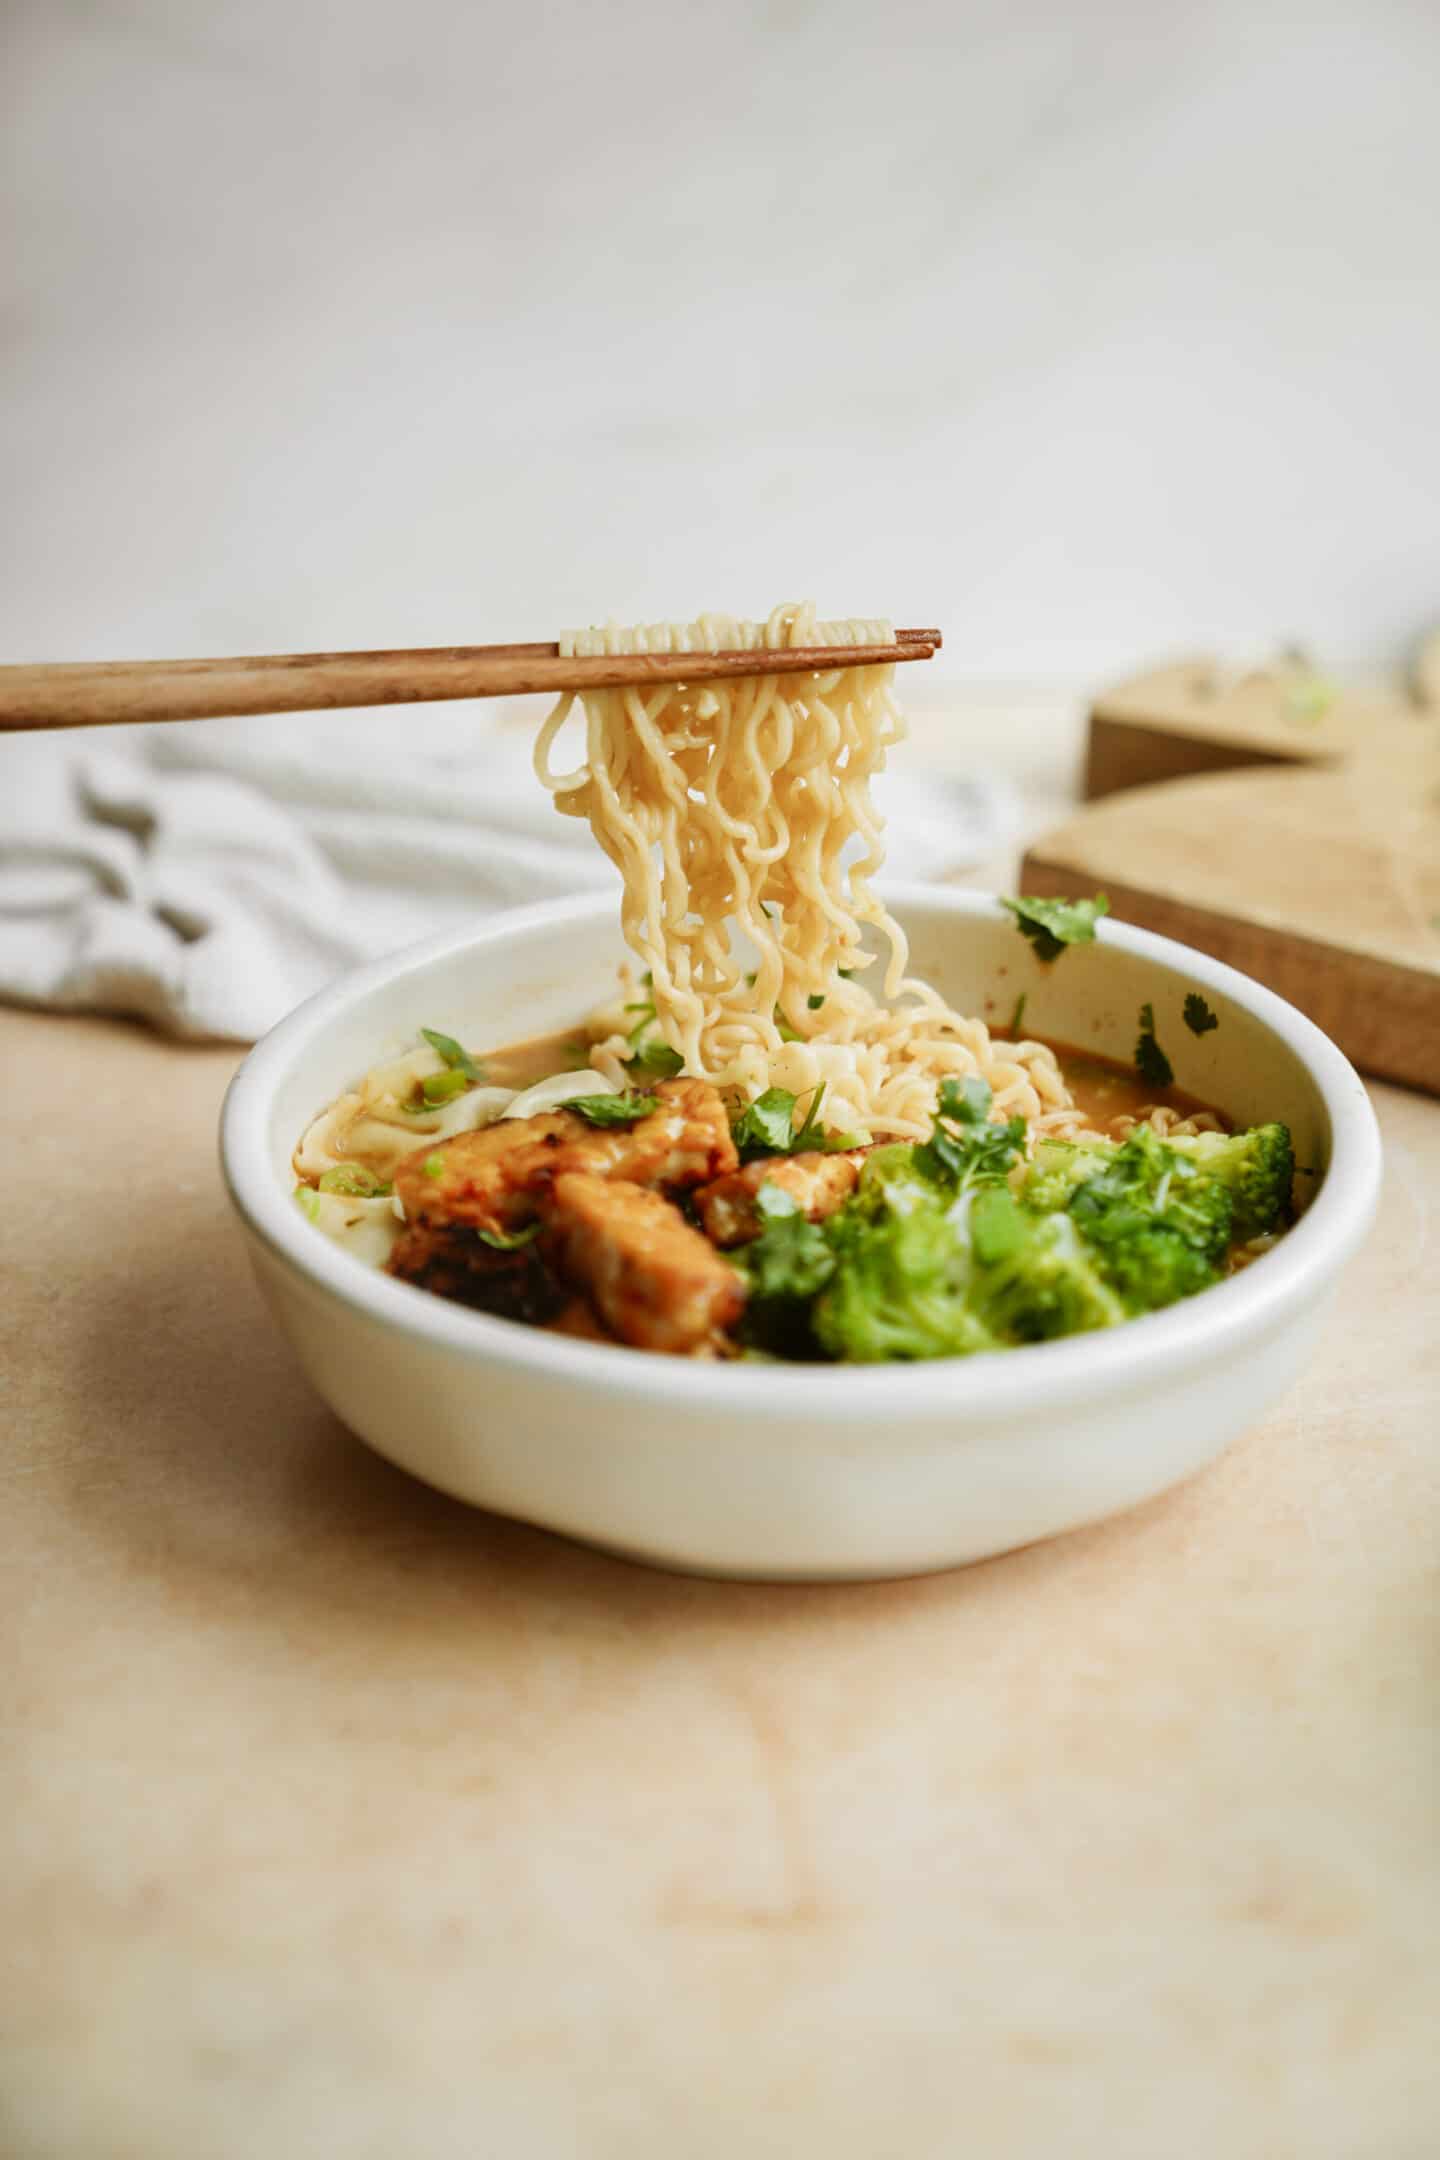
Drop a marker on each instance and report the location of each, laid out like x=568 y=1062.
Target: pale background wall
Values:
x=1087 y=331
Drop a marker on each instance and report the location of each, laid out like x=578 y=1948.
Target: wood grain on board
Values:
x=1323 y=883
x=1195 y=717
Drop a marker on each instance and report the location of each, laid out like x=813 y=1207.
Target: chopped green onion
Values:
x=499 y=1241
x=811 y=1133
x=453 y=1053
x=443 y=1087
x=434 y=1166
x=815 y=1000
x=651 y=1057
x=1017 y=1018
x=309 y=1201
x=354 y=1180
x=636 y=1037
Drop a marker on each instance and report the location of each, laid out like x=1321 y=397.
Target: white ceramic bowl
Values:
x=802 y=1472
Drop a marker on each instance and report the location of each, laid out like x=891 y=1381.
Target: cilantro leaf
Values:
x=1051 y=925
x=453 y=1054
x=766 y=1126
x=964 y=1146
x=1198 y=1016
x=657 y=1061
x=1150 y=1060
x=791 y=1258
x=610 y=1109
x=965 y=1102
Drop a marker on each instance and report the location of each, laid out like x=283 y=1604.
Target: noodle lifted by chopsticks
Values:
x=739 y=816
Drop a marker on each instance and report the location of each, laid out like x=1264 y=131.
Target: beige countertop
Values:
x=343 y=1820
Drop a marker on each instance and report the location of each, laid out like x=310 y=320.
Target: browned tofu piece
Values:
x=652 y=1280
x=453 y=1261
x=817 y=1182
x=497 y=1179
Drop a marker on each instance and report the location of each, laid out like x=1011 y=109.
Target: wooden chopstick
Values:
x=113 y=692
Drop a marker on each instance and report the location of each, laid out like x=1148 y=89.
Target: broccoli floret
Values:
x=889 y=1184
x=1150 y=1265
x=1058 y=1167
x=916 y=1279
x=899 y=1287
x=934 y=1255
x=1047 y=1283
x=1256 y=1166
x=965 y=1154
x=1158 y=1227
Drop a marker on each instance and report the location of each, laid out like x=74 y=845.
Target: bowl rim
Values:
x=1221 y=1321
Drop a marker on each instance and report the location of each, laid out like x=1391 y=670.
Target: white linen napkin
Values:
x=207 y=878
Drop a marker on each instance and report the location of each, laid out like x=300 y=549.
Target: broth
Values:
x=1104 y=1088
x=521 y=1065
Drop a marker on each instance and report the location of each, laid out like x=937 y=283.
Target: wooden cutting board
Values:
x=1193 y=717
x=1319 y=875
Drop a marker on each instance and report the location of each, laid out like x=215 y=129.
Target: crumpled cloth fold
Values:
x=208 y=877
